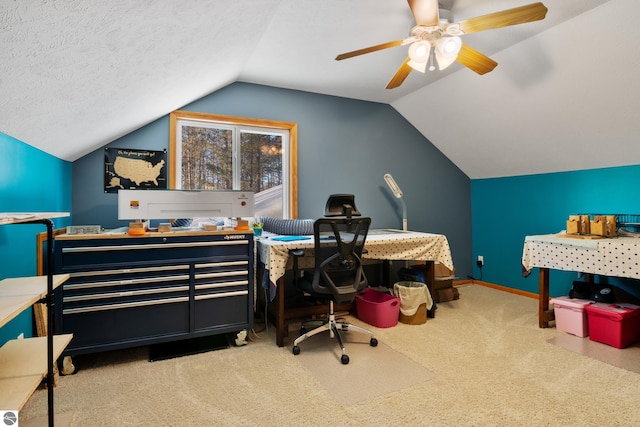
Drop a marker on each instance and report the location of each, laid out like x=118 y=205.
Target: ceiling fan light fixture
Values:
x=419 y=55
x=431 y=25
x=432 y=60
x=446 y=50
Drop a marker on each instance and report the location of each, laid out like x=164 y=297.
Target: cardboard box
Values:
x=442 y=271
x=447 y=294
x=441 y=283
x=617 y=325
x=571 y=316
x=439 y=269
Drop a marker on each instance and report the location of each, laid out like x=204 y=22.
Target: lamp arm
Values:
x=404 y=215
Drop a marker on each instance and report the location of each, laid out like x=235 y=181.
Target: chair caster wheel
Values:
x=303 y=330
x=295 y=350
x=344 y=359
x=373 y=342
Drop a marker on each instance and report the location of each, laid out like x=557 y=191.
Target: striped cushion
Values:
x=181 y=222
x=292 y=227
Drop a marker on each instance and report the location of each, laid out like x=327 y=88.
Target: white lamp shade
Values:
x=419 y=55
x=393 y=185
x=447 y=49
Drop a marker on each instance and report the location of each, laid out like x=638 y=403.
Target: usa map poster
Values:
x=130 y=169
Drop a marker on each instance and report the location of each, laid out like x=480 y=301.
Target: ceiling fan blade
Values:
x=505 y=18
x=369 y=49
x=400 y=75
x=425 y=12
x=475 y=61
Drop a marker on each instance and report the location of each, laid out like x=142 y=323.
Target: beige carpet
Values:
x=491 y=366
x=625 y=358
x=371 y=372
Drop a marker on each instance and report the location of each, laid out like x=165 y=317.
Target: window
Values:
x=212 y=152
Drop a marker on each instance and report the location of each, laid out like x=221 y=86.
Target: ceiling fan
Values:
x=435 y=41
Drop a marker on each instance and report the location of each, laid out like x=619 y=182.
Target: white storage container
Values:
x=571 y=315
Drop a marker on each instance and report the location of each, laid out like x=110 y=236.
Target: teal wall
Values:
x=30 y=181
x=505 y=210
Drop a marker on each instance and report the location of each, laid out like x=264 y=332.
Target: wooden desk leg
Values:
x=430 y=277
x=280 y=323
x=386 y=273
x=543 y=298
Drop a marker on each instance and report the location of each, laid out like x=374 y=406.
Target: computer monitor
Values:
x=341 y=205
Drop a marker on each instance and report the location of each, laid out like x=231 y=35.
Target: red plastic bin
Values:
x=617 y=325
x=378 y=308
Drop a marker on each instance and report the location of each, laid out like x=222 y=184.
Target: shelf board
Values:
x=23 y=366
x=18 y=294
x=22 y=217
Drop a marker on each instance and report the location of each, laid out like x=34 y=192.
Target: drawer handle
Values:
x=222 y=264
x=153 y=246
x=125 y=282
x=124 y=305
x=108 y=295
x=222 y=274
x=129 y=270
x=220 y=285
x=221 y=295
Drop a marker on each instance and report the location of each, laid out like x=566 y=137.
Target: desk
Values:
x=615 y=257
x=380 y=245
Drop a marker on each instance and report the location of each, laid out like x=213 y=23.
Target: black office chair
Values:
x=337 y=276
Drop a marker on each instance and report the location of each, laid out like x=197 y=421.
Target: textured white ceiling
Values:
x=77 y=74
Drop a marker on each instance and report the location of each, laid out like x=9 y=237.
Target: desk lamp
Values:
x=397 y=192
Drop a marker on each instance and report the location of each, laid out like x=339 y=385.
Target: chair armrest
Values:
x=296 y=253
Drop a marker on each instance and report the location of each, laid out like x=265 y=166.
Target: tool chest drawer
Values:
x=100 y=253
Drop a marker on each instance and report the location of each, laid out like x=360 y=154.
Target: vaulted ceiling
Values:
x=76 y=75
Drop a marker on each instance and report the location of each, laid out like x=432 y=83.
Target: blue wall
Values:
x=505 y=210
x=30 y=181
x=344 y=146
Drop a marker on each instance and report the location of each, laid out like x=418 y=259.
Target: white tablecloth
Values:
x=615 y=257
x=410 y=245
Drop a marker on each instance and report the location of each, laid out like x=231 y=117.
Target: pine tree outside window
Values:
x=212 y=152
